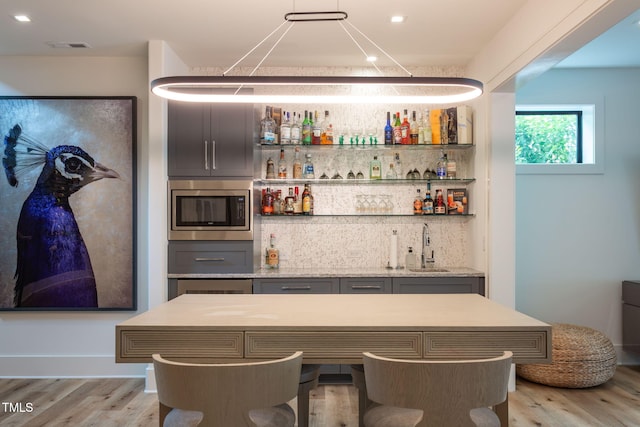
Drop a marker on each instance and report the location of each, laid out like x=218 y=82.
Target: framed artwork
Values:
x=68 y=203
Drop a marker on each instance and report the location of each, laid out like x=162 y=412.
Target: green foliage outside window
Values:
x=548 y=137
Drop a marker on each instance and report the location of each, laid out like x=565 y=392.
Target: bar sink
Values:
x=429 y=270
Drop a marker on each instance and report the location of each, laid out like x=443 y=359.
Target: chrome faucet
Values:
x=427 y=252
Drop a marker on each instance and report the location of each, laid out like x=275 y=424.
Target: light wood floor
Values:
x=122 y=402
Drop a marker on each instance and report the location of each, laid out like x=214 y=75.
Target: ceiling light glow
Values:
x=22 y=18
x=397 y=19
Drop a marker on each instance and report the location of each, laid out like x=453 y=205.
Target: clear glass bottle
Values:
x=397 y=164
x=282 y=165
x=271 y=169
x=451 y=168
x=307 y=169
x=297 y=164
x=391 y=173
x=441 y=167
x=267 y=128
x=273 y=254
x=420 y=130
x=295 y=130
x=410 y=259
x=285 y=129
x=375 y=168
x=426 y=128
x=326 y=137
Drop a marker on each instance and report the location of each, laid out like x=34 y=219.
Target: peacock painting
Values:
x=53 y=261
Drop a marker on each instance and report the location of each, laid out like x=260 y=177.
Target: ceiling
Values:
x=217 y=33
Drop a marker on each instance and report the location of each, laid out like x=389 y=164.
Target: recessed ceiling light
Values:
x=398 y=18
x=372 y=58
x=22 y=18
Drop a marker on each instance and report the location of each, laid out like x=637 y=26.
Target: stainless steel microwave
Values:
x=210 y=210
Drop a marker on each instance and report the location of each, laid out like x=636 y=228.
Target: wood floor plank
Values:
x=123 y=403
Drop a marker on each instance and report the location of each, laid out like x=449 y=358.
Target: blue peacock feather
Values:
x=53 y=267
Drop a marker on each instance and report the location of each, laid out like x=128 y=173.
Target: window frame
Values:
x=592 y=141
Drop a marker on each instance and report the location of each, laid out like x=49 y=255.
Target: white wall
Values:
x=74 y=343
x=578 y=236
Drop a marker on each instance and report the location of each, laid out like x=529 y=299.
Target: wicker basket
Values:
x=581 y=357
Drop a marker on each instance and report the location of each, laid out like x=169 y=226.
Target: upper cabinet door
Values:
x=210 y=139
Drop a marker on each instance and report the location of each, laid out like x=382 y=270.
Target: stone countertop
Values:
x=340 y=272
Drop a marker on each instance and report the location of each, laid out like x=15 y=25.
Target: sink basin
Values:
x=429 y=270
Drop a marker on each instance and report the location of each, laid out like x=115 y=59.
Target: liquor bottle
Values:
x=426 y=128
x=410 y=259
x=420 y=129
x=278 y=203
x=441 y=167
x=413 y=129
x=439 y=206
x=417 y=203
x=285 y=129
x=388 y=130
x=306 y=129
x=316 y=131
x=397 y=164
x=295 y=130
x=375 y=168
x=267 y=128
x=267 y=202
x=297 y=164
x=297 y=202
x=427 y=204
x=307 y=169
x=307 y=201
x=391 y=173
x=271 y=170
x=282 y=166
x=289 y=203
x=405 y=128
x=273 y=254
x=326 y=135
x=397 y=129
x=451 y=168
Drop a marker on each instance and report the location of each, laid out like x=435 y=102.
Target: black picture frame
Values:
x=68 y=160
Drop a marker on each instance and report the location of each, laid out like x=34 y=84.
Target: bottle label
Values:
x=295 y=134
x=427 y=208
x=273 y=258
x=297 y=170
x=441 y=171
x=417 y=207
x=269 y=137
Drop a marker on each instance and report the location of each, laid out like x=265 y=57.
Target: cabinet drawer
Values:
x=631 y=328
x=365 y=285
x=631 y=292
x=296 y=286
x=438 y=285
x=210 y=257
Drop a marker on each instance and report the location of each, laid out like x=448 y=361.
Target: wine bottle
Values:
x=306 y=129
x=397 y=129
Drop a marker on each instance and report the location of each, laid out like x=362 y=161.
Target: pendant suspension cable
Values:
x=254 y=48
x=271 y=50
x=360 y=47
x=381 y=49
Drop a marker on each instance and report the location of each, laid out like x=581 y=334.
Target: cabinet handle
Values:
x=208 y=259
x=366 y=287
x=213 y=154
x=206 y=155
x=296 y=288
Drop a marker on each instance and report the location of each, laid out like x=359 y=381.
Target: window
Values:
x=556 y=139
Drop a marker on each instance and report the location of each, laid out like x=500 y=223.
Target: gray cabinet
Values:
x=202 y=257
x=296 y=286
x=631 y=316
x=210 y=140
x=438 y=285
x=365 y=285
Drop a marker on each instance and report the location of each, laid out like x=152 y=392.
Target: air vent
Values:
x=69 y=45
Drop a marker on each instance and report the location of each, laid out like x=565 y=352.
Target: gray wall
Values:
x=578 y=235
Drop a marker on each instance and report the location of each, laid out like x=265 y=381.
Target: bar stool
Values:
x=309 y=375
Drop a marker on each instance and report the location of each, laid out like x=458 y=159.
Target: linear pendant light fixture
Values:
x=348 y=89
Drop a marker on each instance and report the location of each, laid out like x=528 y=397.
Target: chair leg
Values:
x=357 y=376
x=308 y=381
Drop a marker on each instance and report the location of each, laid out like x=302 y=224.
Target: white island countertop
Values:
x=323 y=272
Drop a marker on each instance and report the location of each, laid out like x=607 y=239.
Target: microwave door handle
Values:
x=213 y=154
x=206 y=155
